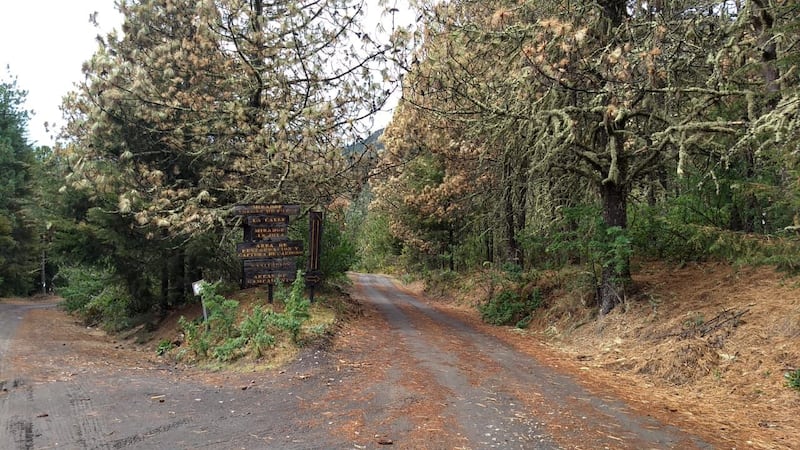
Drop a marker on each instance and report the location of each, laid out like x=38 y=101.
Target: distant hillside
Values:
x=370 y=143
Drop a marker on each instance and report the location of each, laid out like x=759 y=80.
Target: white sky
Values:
x=45 y=42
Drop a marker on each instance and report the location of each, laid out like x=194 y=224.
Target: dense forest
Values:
x=529 y=136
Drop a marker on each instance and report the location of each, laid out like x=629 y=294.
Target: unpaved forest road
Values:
x=404 y=374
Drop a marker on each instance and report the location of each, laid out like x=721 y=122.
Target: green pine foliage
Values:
x=19 y=239
x=96 y=295
x=592 y=136
x=793 y=379
x=229 y=335
x=376 y=248
x=510 y=308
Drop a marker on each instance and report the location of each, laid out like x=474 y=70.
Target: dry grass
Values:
x=710 y=340
x=704 y=345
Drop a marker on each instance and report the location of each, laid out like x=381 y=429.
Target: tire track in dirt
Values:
x=89 y=425
x=16 y=395
x=571 y=410
x=498 y=388
x=471 y=413
x=147 y=434
x=21 y=431
x=19 y=400
x=86 y=394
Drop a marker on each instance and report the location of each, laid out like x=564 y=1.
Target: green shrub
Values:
x=253 y=322
x=79 y=284
x=508 y=307
x=297 y=305
x=164 y=346
x=227 y=341
x=254 y=329
x=222 y=312
x=583 y=237
x=793 y=379
x=230 y=349
x=260 y=342
x=338 y=253
x=96 y=295
x=512 y=271
x=296 y=310
x=220 y=327
x=108 y=309
x=196 y=337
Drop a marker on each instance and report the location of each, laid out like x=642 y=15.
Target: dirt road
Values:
x=405 y=375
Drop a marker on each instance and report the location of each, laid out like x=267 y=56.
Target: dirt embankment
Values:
x=707 y=344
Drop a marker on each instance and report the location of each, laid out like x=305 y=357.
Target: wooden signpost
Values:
x=313 y=272
x=268 y=255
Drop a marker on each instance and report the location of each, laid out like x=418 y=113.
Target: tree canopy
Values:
x=18 y=236
x=196 y=106
x=550 y=104
x=530 y=134
x=193 y=107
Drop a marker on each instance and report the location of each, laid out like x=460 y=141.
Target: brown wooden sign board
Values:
x=265 y=220
x=255 y=273
x=267 y=209
x=283 y=264
x=269 y=249
x=260 y=279
x=262 y=233
x=313 y=277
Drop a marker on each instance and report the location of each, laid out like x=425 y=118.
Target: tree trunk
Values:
x=164 y=297
x=763 y=24
x=612 y=287
x=177 y=276
x=452 y=247
x=522 y=208
x=615 y=11
x=510 y=217
x=490 y=246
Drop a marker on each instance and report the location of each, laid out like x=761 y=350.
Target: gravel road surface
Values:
x=406 y=374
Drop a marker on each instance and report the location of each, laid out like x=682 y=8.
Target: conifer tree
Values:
x=612 y=93
x=196 y=106
x=19 y=240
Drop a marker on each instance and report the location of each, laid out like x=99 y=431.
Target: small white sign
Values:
x=196 y=286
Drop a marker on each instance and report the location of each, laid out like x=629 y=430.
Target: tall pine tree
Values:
x=18 y=236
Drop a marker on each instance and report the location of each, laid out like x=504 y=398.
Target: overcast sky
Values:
x=44 y=43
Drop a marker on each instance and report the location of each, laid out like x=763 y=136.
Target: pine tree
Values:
x=19 y=239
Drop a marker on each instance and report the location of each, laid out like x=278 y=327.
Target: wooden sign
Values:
x=269 y=249
x=313 y=278
x=262 y=233
x=264 y=220
x=280 y=264
x=267 y=254
x=260 y=279
x=267 y=209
